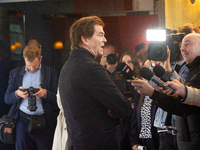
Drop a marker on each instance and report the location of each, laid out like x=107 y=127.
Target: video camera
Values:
x=31 y=99
x=159 y=40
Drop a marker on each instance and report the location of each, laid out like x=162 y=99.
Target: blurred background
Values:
x=126 y=22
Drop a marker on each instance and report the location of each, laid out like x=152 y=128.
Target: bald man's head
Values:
x=190 y=48
x=33 y=42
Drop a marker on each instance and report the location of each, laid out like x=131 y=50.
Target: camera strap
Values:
x=48 y=76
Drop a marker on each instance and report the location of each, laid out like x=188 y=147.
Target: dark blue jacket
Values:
x=6 y=64
x=15 y=81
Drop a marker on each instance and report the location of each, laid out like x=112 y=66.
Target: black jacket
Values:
x=187 y=119
x=87 y=93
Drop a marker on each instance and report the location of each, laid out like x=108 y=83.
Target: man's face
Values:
x=34 y=65
x=190 y=48
x=97 y=41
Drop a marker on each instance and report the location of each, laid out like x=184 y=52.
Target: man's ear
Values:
x=84 y=40
x=117 y=54
x=40 y=58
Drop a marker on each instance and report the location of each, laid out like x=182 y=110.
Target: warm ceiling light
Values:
x=18 y=44
x=58 y=45
x=13 y=47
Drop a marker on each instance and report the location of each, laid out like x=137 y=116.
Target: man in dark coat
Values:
x=45 y=80
x=187 y=119
x=91 y=101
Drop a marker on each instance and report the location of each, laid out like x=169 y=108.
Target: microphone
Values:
x=125 y=70
x=162 y=74
x=149 y=75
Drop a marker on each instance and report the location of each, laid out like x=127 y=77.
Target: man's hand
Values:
x=177 y=86
x=103 y=60
x=147 y=63
x=20 y=93
x=166 y=64
x=111 y=115
x=41 y=93
x=142 y=87
x=135 y=147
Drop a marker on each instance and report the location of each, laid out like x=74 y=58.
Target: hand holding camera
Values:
x=41 y=92
x=31 y=98
x=20 y=93
x=31 y=94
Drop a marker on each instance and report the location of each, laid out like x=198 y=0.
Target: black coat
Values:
x=187 y=119
x=87 y=93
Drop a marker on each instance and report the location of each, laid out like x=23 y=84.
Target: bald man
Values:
x=33 y=42
x=187 y=116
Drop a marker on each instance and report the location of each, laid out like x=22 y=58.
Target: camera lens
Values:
x=157 y=51
x=112 y=59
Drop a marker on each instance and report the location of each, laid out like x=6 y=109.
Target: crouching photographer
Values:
x=34 y=88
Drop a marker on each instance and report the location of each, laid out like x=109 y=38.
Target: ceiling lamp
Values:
x=18 y=44
x=58 y=45
x=13 y=47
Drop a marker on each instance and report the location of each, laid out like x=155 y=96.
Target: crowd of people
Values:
x=100 y=109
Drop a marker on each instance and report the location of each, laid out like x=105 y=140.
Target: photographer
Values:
x=187 y=116
x=109 y=59
x=164 y=121
x=34 y=88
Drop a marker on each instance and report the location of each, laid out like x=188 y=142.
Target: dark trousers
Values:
x=149 y=143
x=7 y=146
x=167 y=141
x=26 y=141
x=125 y=143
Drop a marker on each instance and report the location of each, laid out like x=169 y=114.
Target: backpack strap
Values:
x=48 y=76
x=12 y=110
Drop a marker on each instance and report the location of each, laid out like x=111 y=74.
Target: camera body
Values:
x=157 y=48
x=31 y=99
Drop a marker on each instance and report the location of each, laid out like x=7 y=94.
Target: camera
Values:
x=142 y=148
x=159 y=40
x=31 y=99
x=112 y=59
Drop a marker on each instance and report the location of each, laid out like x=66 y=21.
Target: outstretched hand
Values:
x=177 y=86
x=142 y=87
